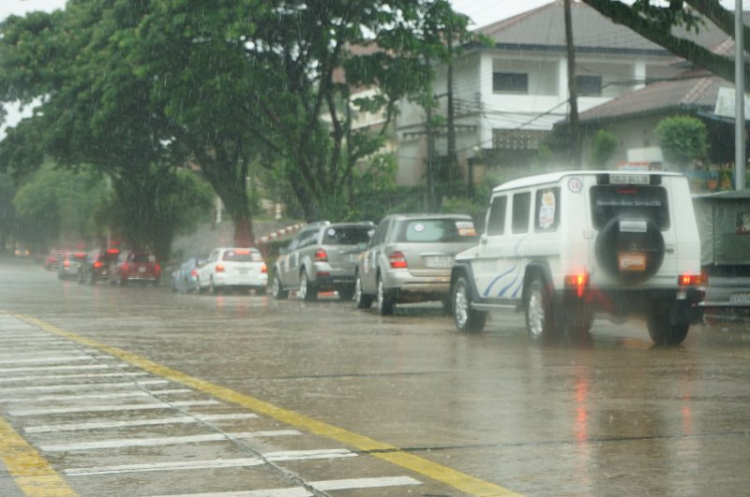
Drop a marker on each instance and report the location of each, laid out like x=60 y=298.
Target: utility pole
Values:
x=430 y=160
x=576 y=154
x=740 y=136
x=452 y=158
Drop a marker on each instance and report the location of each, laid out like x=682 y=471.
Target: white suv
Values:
x=564 y=245
x=241 y=268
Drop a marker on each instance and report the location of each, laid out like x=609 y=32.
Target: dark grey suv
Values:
x=322 y=257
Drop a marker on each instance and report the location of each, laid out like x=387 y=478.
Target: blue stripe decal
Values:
x=489 y=287
x=502 y=292
x=515 y=294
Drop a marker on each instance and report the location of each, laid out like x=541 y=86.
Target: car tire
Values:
x=307 y=291
x=122 y=281
x=212 y=288
x=661 y=331
x=467 y=320
x=260 y=291
x=386 y=304
x=277 y=289
x=362 y=300
x=540 y=322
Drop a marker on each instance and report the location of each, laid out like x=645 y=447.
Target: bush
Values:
x=683 y=139
x=603 y=148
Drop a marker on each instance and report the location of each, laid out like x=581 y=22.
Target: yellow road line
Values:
x=31 y=472
x=390 y=453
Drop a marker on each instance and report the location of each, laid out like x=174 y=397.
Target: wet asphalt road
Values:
x=195 y=394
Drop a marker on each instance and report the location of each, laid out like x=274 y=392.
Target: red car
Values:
x=136 y=266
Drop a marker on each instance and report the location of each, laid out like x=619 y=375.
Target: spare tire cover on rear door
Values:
x=630 y=250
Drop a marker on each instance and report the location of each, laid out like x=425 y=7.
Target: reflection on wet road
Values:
x=138 y=391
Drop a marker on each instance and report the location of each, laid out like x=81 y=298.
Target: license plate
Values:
x=141 y=269
x=438 y=261
x=634 y=262
x=740 y=298
x=243 y=271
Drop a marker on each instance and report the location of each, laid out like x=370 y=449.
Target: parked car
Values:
x=409 y=259
x=564 y=245
x=70 y=264
x=322 y=257
x=724 y=227
x=135 y=265
x=52 y=261
x=97 y=265
x=22 y=252
x=185 y=277
x=233 y=268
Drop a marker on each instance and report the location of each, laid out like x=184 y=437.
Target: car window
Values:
x=521 y=209
x=241 y=255
x=640 y=201
x=496 y=216
x=436 y=230
x=547 y=216
x=142 y=257
x=348 y=235
x=379 y=236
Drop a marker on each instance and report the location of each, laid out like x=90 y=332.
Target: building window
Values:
x=510 y=82
x=589 y=86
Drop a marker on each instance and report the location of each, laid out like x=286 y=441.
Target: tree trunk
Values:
x=243 y=232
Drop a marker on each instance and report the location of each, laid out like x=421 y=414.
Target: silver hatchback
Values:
x=322 y=257
x=409 y=259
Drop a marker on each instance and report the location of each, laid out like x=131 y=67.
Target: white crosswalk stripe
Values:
x=137 y=422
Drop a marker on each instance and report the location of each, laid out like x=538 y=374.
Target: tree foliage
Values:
x=58 y=203
x=656 y=21
x=603 y=147
x=683 y=139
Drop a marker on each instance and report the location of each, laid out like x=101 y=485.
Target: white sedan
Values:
x=241 y=268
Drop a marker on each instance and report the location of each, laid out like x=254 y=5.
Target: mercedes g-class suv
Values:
x=562 y=246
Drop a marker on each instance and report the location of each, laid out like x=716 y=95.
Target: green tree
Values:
x=683 y=139
x=149 y=212
x=277 y=79
x=94 y=109
x=603 y=147
x=58 y=204
x=655 y=20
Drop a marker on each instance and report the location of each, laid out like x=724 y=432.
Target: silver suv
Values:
x=322 y=257
x=409 y=259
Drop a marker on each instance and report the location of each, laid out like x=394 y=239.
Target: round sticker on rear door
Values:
x=419 y=228
x=547 y=211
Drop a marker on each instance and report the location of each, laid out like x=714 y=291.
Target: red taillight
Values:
x=157 y=268
x=219 y=268
x=264 y=269
x=577 y=282
x=66 y=263
x=690 y=280
x=124 y=267
x=398 y=260
x=321 y=256
x=193 y=273
x=98 y=264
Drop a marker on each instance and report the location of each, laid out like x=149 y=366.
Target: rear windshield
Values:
x=142 y=257
x=78 y=257
x=436 y=230
x=350 y=235
x=630 y=201
x=241 y=255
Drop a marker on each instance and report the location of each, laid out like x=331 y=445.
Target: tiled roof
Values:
x=694 y=91
x=545 y=27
